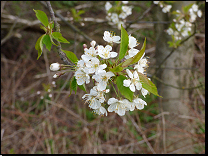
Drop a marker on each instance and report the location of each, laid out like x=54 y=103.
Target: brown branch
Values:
x=57 y=28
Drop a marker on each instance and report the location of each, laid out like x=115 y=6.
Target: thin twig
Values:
x=143 y=135
x=182 y=88
x=142 y=16
x=57 y=28
x=70 y=25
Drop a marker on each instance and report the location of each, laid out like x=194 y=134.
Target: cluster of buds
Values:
x=117 y=14
x=96 y=63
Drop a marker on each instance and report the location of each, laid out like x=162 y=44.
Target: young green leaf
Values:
x=71 y=56
x=82 y=87
x=58 y=36
x=136 y=58
x=147 y=84
x=116 y=69
x=42 y=17
x=125 y=91
x=124 y=43
x=47 y=42
x=74 y=84
x=39 y=45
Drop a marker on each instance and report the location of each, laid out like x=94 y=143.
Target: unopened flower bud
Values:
x=93 y=43
x=84 y=46
x=57 y=75
x=55 y=66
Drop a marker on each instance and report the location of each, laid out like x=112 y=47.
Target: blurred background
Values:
x=39 y=117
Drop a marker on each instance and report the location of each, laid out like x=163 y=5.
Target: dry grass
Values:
x=66 y=125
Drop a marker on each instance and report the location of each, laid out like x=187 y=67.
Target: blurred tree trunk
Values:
x=174 y=101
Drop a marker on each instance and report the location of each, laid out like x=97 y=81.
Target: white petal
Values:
x=129 y=73
x=112 y=100
x=135 y=74
x=126 y=83
x=113 y=54
x=132 y=87
x=112 y=108
x=138 y=85
x=108 y=48
x=102 y=85
x=121 y=112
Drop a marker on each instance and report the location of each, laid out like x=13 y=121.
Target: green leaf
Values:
x=74 y=84
x=136 y=58
x=71 y=56
x=82 y=87
x=124 y=43
x=116 y=69
x=125 y=91
x=39 y=45
x=186 y=8
x=147 y=84
x=58 y=36
x=42 y=17
x=47 y=42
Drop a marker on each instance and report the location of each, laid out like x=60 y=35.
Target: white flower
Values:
x=192 y=17
x=107 y=6
x=156 y=2
x=170 y=31
x=94 y=102
x=122 y=15
x=132 y=52
x=133 y=82
x=55 y=76
x=195 y=7
x=55 y=66
x=127 y=10
x=199 y=13
x=102 y=79
x=119 y=106
x=100 y=111
x=93 y=65
x=142 y=63
x=82 y=77
x=108 y=37
x=144 y=92
x=121 y=23
x=139 y=103
x=89 y=53
x=105 y=52
x=132 y=42
x=114 y=18
x=166 y=8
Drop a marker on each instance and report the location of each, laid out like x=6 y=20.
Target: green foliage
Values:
x=136 y=58
x=124 y=43
x=76 y=15
x=71 y=56
x=39 y=46
x=42 y=17
x=58 y=36
x=47 y=42
x=186 y=8
x=125 y=91
x=147 y=84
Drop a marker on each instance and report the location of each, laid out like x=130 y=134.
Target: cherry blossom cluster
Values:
x=94 y=64
x=183 y=26
x=116 y=15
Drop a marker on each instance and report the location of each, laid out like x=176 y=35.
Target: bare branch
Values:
x=57 y=28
